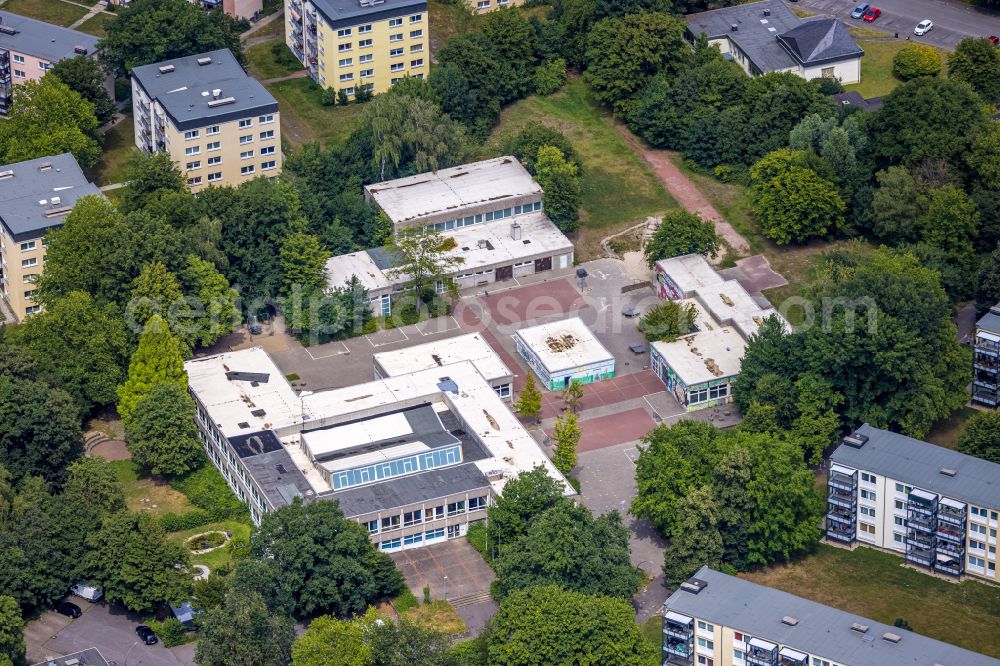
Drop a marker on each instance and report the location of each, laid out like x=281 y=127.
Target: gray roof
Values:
x=413 y=489
x=44 y=40
x=854 y=98
x=280 y=487
x=822 y=631
x=990 y=321
x=340 y=13
x=20 y=194
x=88 y=657
x=919 y=464
x=186 y=91
x=820 y=41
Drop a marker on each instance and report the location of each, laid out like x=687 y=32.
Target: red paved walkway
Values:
x=612 y=429
x=608 y=392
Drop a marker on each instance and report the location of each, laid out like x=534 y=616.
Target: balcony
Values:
x=985 y=380
x=984 y=397
x=679 y=649
x=949 y=533
x=840 y=498
x=951 y=549
x=951 y=516
x=842 y=481
x=838 y=516
x=984 y=346
x=920 y=539
x=924 y=556
x=846 y=535
x=952 y=568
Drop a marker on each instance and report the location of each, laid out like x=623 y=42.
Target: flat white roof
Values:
x=372 y=457
x=454 y=189
x=324 y=442
x=564 y=345
x=470 y=347
x=230 y=402
x=727 y=301
x=340 y=269
x=689 y=272
x=704 y=356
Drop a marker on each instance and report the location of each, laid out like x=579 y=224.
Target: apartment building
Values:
x=35 y=197
x=485 y=6
x=415 y=458
x=986 y=359
x=718 y=620
x=359 y=44
x=492 y=210
x=935 y=507
x=236 y=8
x=29 y=48
x=220 y=126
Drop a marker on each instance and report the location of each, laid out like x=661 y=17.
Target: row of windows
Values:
x=407 y=465
x=487 y=217
x=485 y=4
x=347 y=47
x=420 y=516
x=215 y=129
x=706 y=394
x=245 y=170
x=217 y=145
x=366 y=28
x=453 y=532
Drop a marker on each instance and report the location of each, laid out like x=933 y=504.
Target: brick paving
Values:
x=612 y=429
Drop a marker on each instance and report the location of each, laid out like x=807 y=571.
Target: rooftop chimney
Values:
x=767 y=12
x=734 y=27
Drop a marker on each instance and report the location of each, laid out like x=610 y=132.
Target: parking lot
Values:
x=109 y=628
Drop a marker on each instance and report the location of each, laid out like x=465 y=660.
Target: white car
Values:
x=923 y=28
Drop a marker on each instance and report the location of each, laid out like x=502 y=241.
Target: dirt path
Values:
x=301 y=74
x=686 y=193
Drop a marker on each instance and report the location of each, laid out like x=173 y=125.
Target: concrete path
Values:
x=260 y=24
x=301 y=74
x=682 y=189
x=112 y=186
x=91 y=13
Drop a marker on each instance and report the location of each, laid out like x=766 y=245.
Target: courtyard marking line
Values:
x=628 y=454
x=391 y=342
x=444 y=330
x=336 y=353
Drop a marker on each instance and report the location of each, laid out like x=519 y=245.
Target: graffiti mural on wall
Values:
x=666 y=290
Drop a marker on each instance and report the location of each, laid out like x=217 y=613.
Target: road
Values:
x=953 y=20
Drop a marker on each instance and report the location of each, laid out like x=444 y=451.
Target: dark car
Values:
x=860 y=10
x=146 y=635
x=68 y=609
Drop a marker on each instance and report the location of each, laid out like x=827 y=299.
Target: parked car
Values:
x=89 y=592
x=994 y=40
x=69 y=609
x=860 y=10
x=923 y=28
x=146 y=635
x=872 y=14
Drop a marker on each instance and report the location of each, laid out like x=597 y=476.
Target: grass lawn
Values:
x=150 y=494
x=118 y=145
x=945 y=433
x=97 y=25
x=618 y=188
x=220 y=556
x=304 y=119
x=438 y=615
x=447 y=20
x=275 y=28
x=876 y=585
x=263 y=65
x=876 y=68
x=50 y=11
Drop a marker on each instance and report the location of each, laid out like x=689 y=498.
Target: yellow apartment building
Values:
x=220 y=126
x=35 y=196
x=359 y=44
x=484 y=6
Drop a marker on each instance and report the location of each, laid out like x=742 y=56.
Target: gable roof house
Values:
x=767 y=37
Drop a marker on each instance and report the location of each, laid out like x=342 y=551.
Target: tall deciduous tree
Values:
x=244 y=632
x=668 y=320
x=11 y=631
x=523 y=498
x=39 y=429
x=560 y=182
x=681 y=233
x=161 y=433
x=303 y=263
x=697 y=541
x=422 y=257
x=977 y=62
x=525 y=144
x=157 y=359
x=329 y=641
x=87 y=77
x=91 y=493
x=987 y=292
x=981 y=437
x=792 y=203
x=915 y=60
x=154 y=291
x=47 y=118
x=148 y=176
x=214 y=303
x=567 y=435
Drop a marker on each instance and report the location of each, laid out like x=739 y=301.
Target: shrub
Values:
x=207 y=490
x=476 y=536
x=171 y=632
x=328 y=97
x=370 y=326
x=342 y=98
x=405 y=602
x=550 y=76
x=284 y=57
x=178 y=522
x=362 y=95
x=828 y=85
x=666 y=321
x=916 y=60
x=427 y=594
x=212 y=539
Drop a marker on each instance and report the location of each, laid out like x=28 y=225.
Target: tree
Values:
x=548 y=625
x=154 y=291
x=987 y=292
x=244 y=632
x=696 y=541
x=91 y=493
x=550 y=77
x=11 y=631
x=983 y=159
x=681 y=233
x=792 y=203
x=181 y=30
x=529 y=402
x=303 y=264
x=567 y=436
x=161 y=433
x=81 y=344
x=47 y=118
x=896 y=205
x=977 y=63
x=668 y=320
x=981 y=437
x=572 y=395
x=131 y=559
x=214 y=302
x=148 y=176
x=39 y=429
x=409 y=133
x=915 y=60
x=525 y=144
x=157 y=359
x=326 y=560
x=422 y=257
x=817 y=425
x=87 y=77
x=329 y=641
x=522 y=499
x=623 y=54
x=560 y=183
x=403 y=643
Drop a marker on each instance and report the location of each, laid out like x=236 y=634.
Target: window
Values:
x=898 y=538
x=395 y=23
x=345 y=32
x=362 y=29
x=900 y=488
x=214 y=129
x=365 y=44
x=738 y=636
x=345 y=62
x=413 y=517
x=193 y=150
x=367 y=73
x=31 y=278
x=349 y=91
x=993 y=515
x=976 y=545
x=267 y=166
x=976 y=561
x=246 y=122
x=28 y=263
x=395 y=80
x=483 y=4
x=365 y=57
x=868 y=495
x=395 y=53
x=434 y=534
x=19 y=59
x=19 y=74
x=867 y=478
x=343 y=48
x=246 y=170
x=246 y=138
x=456 y=508
x=705 y=661
x=976 y=511
x=416 y=18
x=900 y=506
x=372 y=526
x=390 y=523
x=27 y=246
x=415 y=34
x=396 y=37
x=417 y=48
x=979 y=529
x=30 y=293
x=212 y=161
x=865 y=527
x=737 y=655
x=397 y=67
x=267 y=150
x=454 y=531
x=438 y=513
x=898 y=520
x=246 y=154
x=215 y=145
x=477 y=503
x=868 y=511
x=214 y=176
x=33 y=309
x=46 y=66
x=503 y=391
x=390 y=544
x=705 y=626
x=269 y=134
x=820 y=662
x=193 y=165
x=266 y=120
x=411 y=539
x=347 y=77
x=706 y=644
x=191 y=134
x=419 y=62
x=194 y=181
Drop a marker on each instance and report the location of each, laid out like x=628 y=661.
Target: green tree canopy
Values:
x=46 y=118
x=981 y=437
x=244 y=632
x=11 y=631
x=529 y=402
x=147 y=177
x=915 y=60
x=422 y=257
x=303 y=264
x=39 y=429
x=560 y=182
x=329 y=641
x=548 y=625
x=217 y=314
x=696 y=541
x=525 y=144
x=793 y=203
x=567 y=436
x=87 y=77
x=668 y=320
x=977 y=63
x=681 y=233
x=987 y=292
x=161 y=433
x=157 y=359
x=522 y=499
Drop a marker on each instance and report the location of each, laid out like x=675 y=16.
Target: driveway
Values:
x=953 y=20
x=109 y=628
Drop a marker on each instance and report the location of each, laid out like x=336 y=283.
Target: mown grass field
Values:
x=97 y=25
x=220 y=556
x=118 y=145
x=304 y=119
x=874 y=584
x=263 y=65
x=50 y=11
x=149 y=494
x=876 y=67
x=618 y=188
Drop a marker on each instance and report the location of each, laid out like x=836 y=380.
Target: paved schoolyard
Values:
x=605 y=393
x=602 y=431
